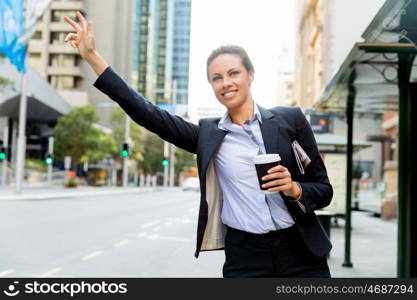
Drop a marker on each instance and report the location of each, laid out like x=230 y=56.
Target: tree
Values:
x=76 y=136
x=183 y=159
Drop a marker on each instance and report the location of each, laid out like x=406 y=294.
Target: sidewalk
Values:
x=373 y=247
x=57 y=192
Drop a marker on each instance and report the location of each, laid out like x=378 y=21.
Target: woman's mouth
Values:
x=229 y=94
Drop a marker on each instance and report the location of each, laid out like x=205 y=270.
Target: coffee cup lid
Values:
x=266 y=158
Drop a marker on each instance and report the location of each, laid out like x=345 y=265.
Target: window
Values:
x=54 y=38
x=37 y=35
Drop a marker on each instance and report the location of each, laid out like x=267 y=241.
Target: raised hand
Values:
x=85 y=42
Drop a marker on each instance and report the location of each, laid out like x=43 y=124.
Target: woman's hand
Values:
x=85 y=42
x=282 y=182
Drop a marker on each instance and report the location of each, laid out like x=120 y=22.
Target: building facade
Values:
x=324 y=36
x=161 y=51
x=61 y=65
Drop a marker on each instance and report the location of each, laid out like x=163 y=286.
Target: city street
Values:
x=140 y=233
x=128 y=235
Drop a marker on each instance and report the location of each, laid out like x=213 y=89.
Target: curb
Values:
x=74 y=194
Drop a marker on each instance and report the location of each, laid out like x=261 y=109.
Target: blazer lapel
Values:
x=214 y=139
x=269 y=130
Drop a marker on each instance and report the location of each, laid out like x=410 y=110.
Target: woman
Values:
x=273 y=235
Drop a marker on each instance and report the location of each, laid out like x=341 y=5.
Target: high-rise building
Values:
x=325 y=35
x=61 y=65
x=161 y=50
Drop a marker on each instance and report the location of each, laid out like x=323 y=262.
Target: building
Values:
x=285 y=87
x=161 y=51
x=61 y=65
x=324 y=36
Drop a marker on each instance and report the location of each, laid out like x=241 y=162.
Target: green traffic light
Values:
x=48 y=160
x=165 y=162
x=125 y=153
x=2 y=156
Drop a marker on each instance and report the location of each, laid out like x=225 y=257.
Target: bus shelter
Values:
x=380 y=75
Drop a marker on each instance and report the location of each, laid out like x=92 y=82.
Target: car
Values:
x=191 y=184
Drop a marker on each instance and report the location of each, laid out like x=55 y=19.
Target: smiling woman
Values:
x=273 y=234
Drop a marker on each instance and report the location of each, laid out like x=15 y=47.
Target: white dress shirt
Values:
x=245 y=207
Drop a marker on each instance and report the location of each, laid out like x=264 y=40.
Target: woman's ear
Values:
x=251 y=76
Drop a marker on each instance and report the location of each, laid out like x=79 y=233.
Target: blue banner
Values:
x=11 y=29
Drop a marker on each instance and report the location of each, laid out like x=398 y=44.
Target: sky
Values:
x=262 y=27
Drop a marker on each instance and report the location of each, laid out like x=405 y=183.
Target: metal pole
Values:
x=6 y=146
x=406 y=168
x=172 y=147
x=349 y=154
x=166 y=153
x=21 y=140
x=126 y=158
x=50 y=151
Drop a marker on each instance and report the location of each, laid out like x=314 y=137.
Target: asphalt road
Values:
x=151 y=234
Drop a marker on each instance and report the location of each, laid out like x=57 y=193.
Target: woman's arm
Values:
x=169 y=127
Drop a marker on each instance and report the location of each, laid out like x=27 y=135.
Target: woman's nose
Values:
x=227 y=82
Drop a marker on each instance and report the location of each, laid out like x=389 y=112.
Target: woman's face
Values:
x=230 y=80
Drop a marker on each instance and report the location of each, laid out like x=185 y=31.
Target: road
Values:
x=150 y=234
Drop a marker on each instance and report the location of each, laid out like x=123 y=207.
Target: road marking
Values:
x=168 y=238
x=7 y=272
x=142 y=234
x=167 y=224
x=92 y=255
x=157 y=228
x=150 y=224
x=121 y=243
x=49 y=273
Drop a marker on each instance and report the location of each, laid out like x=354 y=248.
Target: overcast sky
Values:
x=262 y=27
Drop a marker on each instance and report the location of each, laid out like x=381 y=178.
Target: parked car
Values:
x=191 y=184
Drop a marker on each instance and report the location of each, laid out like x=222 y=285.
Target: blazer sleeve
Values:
x=316 y=188
x=169 y=127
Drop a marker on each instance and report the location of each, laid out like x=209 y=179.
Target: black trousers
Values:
x=281 y=253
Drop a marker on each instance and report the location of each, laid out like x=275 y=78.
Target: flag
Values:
x=18 y=20
x=11 y=29
x=34 y=11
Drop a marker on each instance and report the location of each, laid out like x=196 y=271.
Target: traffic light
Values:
x=3 y=154
x=165 y=162
x=49 y=159
x=125 y=150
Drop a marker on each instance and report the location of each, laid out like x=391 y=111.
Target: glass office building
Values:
x=161 y=50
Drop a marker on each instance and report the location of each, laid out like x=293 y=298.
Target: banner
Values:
x=18 y=20
x=34 y=11
x=11 y=29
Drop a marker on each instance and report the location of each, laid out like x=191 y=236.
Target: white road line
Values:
x=150 y=224
x=168 y=238
x=49 y=273
x=92 y=255
x=121 y=243
x=157 y=228
x=167 y=224
x=140 y=235
x=7 y=272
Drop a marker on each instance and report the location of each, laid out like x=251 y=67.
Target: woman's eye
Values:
x=215 y=78
x=234 y=73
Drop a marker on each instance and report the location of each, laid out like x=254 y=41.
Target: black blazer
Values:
x=280 y=127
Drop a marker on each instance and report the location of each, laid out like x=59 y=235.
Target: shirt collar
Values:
x=226 y=121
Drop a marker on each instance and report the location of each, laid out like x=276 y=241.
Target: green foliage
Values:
x=76 y=136
x=153 y=154
x=35 y=164
x=5 y=81
x=137 y=134
x=184 y=159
